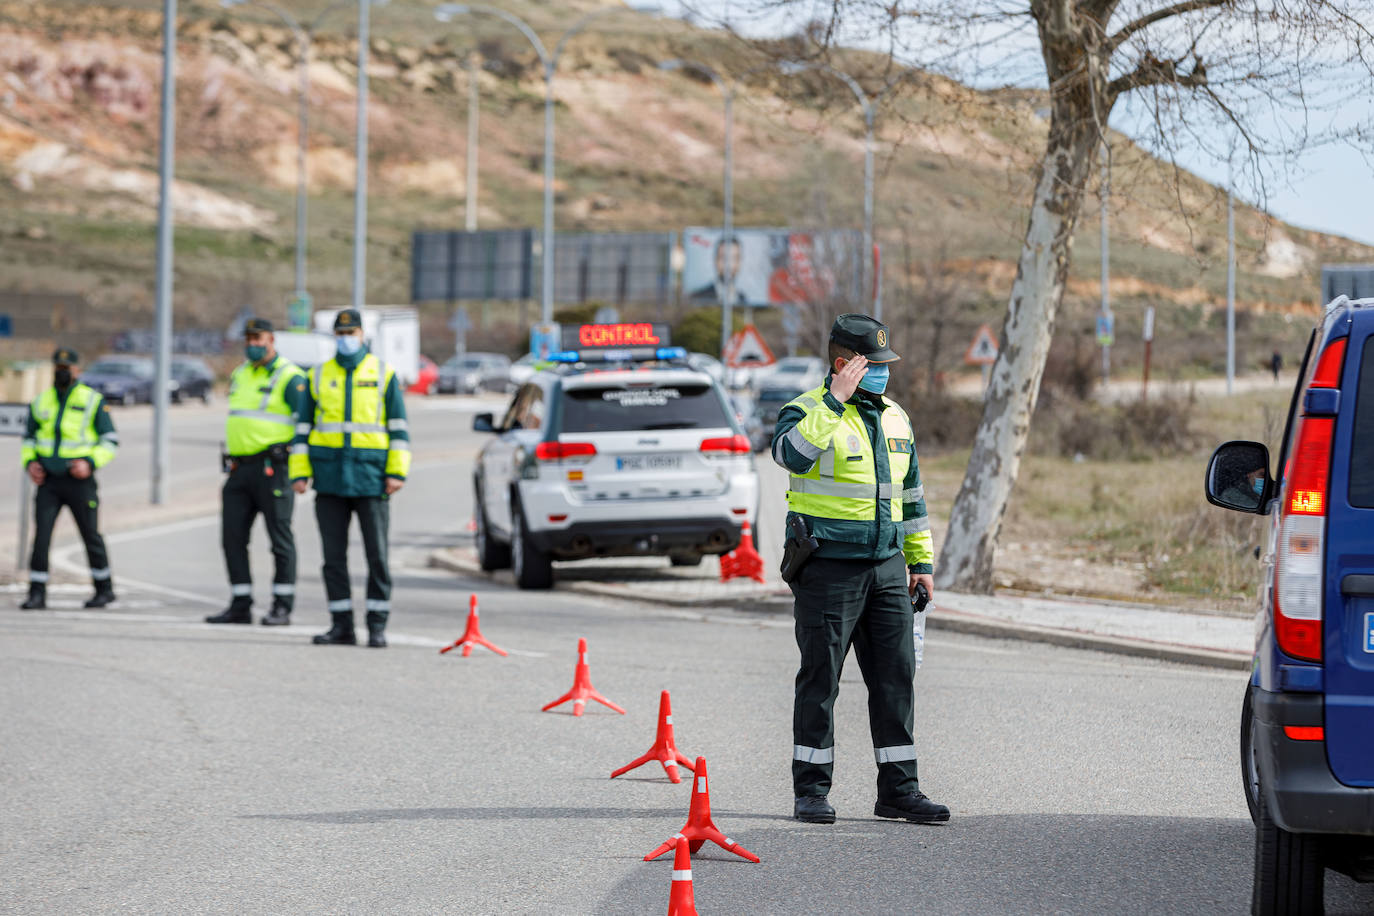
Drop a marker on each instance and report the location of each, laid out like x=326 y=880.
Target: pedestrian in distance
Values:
x=352 y=439
x=266 y=395
x=864 y=549
x=69 y=437
x=1276 y=364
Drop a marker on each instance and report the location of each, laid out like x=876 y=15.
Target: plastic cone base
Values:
x=682 y=899
x=744 y=562
x=700 y=827
x=472 y=636
x=582 y=689
x=665 y=747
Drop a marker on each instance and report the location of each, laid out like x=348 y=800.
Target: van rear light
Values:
x=734 y=445
x=1302 y=524
x=555 y=451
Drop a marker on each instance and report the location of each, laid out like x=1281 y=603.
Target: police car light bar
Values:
x=613 y=356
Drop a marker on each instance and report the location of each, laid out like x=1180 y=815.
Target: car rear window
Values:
x=1362 y=444
x=596 y=410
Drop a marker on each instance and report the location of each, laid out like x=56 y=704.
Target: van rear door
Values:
x=1348 y=631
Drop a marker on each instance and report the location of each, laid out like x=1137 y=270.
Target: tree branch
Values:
x=1152 y=71
x=1159 y=15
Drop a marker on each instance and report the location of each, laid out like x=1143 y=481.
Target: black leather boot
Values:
x=340 y=633
x=914 y=807
x=279 y=616
x=814 y=809
x=376 y=630
x=38 y=597
x=240 y=610
x=104 y=595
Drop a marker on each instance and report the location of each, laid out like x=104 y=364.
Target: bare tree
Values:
x=1263 y=76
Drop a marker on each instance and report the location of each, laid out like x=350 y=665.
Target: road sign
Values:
x=747 y=348
x=298 y=312
x=545 y=339
x=6 y=326
x=1106 y=330
x=983 y=350
x=1149 y=331
x=14 y=418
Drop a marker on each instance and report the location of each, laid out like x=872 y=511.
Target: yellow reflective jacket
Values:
x=61 y=429
x=263 y=401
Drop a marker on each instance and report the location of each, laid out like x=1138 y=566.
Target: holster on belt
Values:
x=797 y=549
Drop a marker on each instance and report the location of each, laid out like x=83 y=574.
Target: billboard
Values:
x=771 y=266
x=612 y=267
x=453 y=266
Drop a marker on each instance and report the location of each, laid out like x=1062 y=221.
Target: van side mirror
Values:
x=483 y=423
x=1238 y=477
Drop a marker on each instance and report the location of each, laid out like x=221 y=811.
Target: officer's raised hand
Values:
x=846 y=380
x=300 y=486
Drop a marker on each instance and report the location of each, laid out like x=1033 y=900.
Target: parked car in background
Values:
x=708 y=364
x=746 y=416
x=428 y=380
x=193 y=378
x=121 y=379
x=769 y=403
x=467 y=374
x=802 y=372
x=518 y=373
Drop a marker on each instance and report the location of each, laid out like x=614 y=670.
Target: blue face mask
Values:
x=256 y=353
x=348 y=344
x=875 y=379
x=1258 y=484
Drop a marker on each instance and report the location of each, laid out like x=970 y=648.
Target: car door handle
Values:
x=1358 y=585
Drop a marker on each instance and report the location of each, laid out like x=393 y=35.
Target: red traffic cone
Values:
x=472 y=636
x=682 y=901
x=582 y=689
x=699 y=826
x=744 y=562
x=665 y=748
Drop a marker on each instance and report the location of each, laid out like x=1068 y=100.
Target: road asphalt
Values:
x=152 y=763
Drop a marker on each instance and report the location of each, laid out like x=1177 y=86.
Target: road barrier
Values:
x=582 y=689
x=472 y=636
x=699 y=827
x=665 y=746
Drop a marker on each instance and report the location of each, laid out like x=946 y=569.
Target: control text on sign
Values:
x=617 y=335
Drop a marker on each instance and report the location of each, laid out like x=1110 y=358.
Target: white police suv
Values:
x=619 y=448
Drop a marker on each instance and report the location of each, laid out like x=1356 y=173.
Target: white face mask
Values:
x=348 y=344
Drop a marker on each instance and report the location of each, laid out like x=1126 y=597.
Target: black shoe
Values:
x=376 y=630
x=233 y=614
x=376 y=639
x=914 y=806
x=814 y=809
x=104 y=595
x=340 y=634
x=279 y=616
x=37 y=600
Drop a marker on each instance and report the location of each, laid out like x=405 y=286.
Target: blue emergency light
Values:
x=614 y=356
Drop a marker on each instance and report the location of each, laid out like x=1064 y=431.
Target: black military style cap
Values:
x=65 y=356
x=864 y=335
x=257 y=326
x=347 y=320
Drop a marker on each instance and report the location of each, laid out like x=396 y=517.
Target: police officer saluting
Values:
x=265 y=395
x=69 y=435
x=352 y=439
x=855 y=486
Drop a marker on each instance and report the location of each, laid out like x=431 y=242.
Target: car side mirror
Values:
x=483 y=423
x=1238 y=477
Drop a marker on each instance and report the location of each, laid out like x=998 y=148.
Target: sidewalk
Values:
x=1126 y=629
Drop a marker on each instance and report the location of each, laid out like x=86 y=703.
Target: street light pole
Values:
x=162 y=439
x=1230 y=279
x=360 y=154
x=470 y=197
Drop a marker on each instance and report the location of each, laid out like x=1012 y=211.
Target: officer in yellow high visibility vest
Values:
x=265 y=395
x=69 y=435
x=854 y=482
x=352 y=438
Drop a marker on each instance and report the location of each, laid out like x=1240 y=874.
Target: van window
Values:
x=1362 y=443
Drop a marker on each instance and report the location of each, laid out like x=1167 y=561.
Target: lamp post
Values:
x=867 y=104
x=727 y=91
x=166 y=167
x=446 y=13
x=304 y=35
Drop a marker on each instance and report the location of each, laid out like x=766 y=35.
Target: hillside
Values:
x=638 y=149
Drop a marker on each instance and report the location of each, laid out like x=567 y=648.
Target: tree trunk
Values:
x=966 y=559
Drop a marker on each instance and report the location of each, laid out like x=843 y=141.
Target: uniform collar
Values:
x=354 y=361
x=266 y=367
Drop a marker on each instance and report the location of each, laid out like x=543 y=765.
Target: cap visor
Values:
x=884 y=355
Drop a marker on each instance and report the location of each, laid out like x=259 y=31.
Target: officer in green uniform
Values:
x=265 y=395
x=352 y=438
x=69 y=435
x=854 y=482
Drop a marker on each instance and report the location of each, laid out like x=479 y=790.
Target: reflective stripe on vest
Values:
x=366 y=425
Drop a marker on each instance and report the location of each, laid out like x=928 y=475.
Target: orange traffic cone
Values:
x=472 y=636
x=682 y=901
x=582 y=689
x=665 y=748
x=699 y=826
x=744 y=562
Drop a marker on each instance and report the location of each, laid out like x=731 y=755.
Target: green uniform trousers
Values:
x=256 y=486
x=863 y=603
x=82 y=498
x=335 y=513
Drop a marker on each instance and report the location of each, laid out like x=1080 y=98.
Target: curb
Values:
x=953 y=621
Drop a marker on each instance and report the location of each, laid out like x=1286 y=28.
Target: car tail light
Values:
x=1302 y=524
x=556 y=451
x=734 y=445
x=1305 y=732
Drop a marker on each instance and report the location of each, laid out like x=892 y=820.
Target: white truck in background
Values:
x=392 y=333
x=306 y=349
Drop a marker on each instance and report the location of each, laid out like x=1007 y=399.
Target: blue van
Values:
x=1307 y=724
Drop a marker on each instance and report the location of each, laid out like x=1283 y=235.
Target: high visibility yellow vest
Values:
x=843 y=484
x=77 y=416
x=259 y=414
x=354 y=416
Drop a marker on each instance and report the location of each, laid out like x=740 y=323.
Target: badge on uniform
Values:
x=853 y=442
x=899 y=446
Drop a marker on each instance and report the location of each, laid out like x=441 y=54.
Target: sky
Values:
x=1330 y=188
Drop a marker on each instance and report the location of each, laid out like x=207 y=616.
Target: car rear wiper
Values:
x=672 y=424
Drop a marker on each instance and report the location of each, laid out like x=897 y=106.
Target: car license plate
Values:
x=648 y=462
x=1369 y=633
